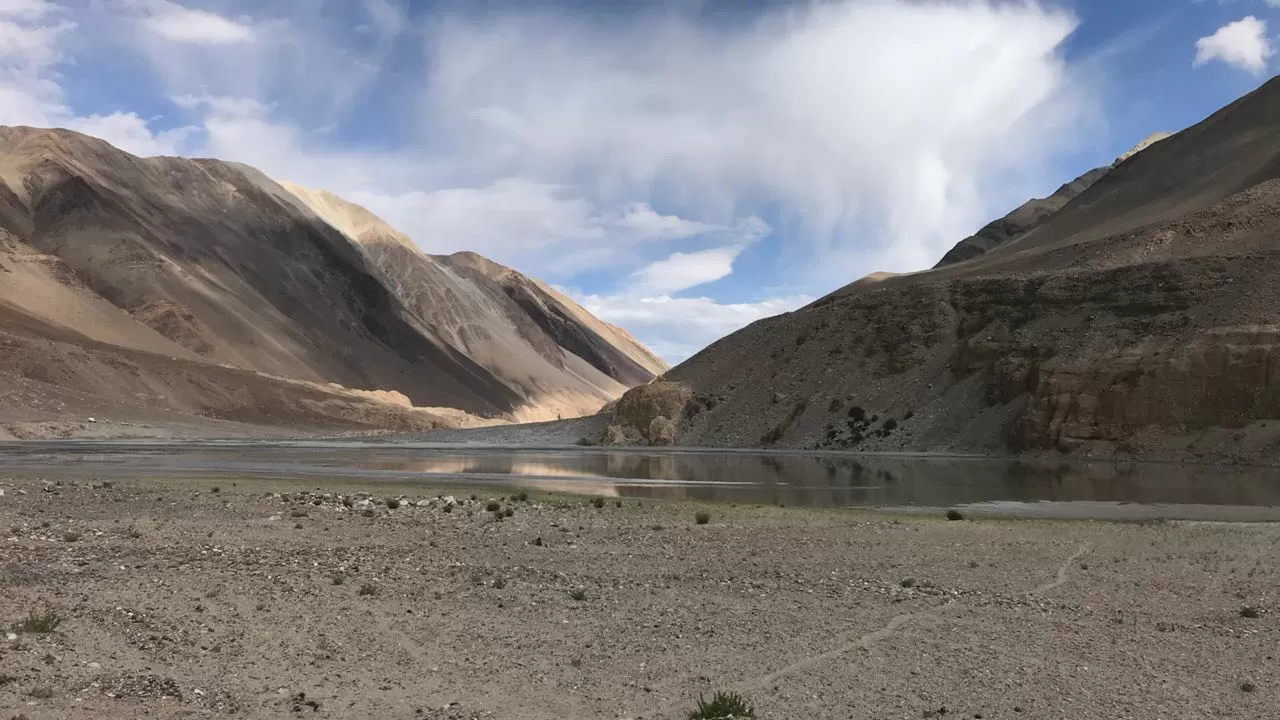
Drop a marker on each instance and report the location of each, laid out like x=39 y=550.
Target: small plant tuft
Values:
x=598 y=502
x=522 y=497
x=492 y=506
x=908 y=583
x=1247 y=687
x=578 y=594
x=1251 y=613
x=954 y=515
x=367 y=590
x=499 y=583
x=393 y=504
x=509 y=511
x=723 y=706
x=39 y=622
x=338 y=579
x=618 y=503
x=702 y=517
x=216 y=489
x=71 y=536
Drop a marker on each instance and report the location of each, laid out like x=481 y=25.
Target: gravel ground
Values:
x=179 y=601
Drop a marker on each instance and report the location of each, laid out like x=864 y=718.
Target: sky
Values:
x=681 y=168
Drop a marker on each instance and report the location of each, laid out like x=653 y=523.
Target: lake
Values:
x=982 y=486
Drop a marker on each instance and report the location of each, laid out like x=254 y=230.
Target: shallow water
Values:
x=980 y=486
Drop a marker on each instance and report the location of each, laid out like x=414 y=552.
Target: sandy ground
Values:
x=180 y=601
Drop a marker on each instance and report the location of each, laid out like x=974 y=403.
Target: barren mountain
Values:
x=562 y=359
x=1138 y=317
x=208 y=270
x=1033 y=211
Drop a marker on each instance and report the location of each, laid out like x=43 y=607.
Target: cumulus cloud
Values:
x=1241 y=44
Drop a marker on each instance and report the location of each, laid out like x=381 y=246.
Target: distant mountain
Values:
x=1137 y=318
x=558 y=356
x=207 y=264
x=1025 y=216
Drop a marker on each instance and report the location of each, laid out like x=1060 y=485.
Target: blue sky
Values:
x=681 y=168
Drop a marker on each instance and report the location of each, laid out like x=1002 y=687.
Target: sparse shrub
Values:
x=1252 y=613
x=598 y=502
x=260 y=606
x=447 y=508
x=973 y=564
x=298 y=514
x=133 y=532
x=702 y=517
x=41 y=692
x=216 y=489
x=578 y=594
x=954 y=515
x=857 y=414
x=39 y=622
x=474 y=497
x=618 y=503
x=723 y=706
x=368 y=512
x=910 y=414
x=522 y=497
x=497 y=516
x=393 y=504
x=499 y=583
x=508 y=511
x=536 y=542
x=347 y=502
x=837 y=404
x=338 y=579
x=71 y=536
x=1247 y=687
x=367 y=590
x=297 y=526
x=492 y=506
x=908 y=583
x=6 y=679
x=890 y=425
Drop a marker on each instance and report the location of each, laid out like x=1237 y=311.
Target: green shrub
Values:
x=723 y=706
x=39 y=622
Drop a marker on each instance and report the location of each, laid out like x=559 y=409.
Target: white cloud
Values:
x=879 y=122
x=641 y=220
x=682 y=271
x=26 y=9
x=186 y=25
x=676 y=328
x=1241 y=44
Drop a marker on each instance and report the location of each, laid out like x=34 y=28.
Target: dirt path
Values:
x=178 y=601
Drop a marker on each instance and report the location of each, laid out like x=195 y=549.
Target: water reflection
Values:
x=788 y=479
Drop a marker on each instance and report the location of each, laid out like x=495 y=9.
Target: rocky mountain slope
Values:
x=1025 y=216
x=1139 y=317
x=185 y=276
x=560 y=357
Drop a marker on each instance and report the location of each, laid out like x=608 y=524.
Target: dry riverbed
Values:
x=278 y=599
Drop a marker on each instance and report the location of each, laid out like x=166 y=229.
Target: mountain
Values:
x=1138 y=317
x=1025 y=216
x=186 y=275
x=534 y=339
